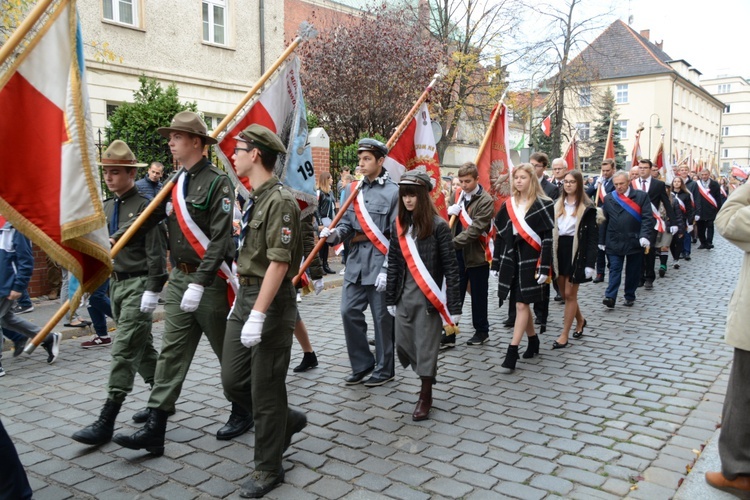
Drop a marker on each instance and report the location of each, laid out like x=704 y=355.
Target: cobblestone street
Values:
x=621 y=413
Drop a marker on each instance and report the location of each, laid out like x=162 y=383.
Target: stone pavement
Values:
x=621 y=413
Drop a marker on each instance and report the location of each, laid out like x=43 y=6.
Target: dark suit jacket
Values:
x=704 y=208
x=549 y=189
x=608 y=186
x=622 y=231
x=657 y=192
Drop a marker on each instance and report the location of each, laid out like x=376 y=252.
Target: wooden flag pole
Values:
x=606 y=146
x=23 y=29
x=342 y=210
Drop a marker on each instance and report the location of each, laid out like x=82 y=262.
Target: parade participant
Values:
x=575 y=238
x=593 y=191
x=421 y=259
x=707 y=204
x=733 y=223
x=150 y=185
x=325 y=213
x=690 y=185
x=540 y=161
x=523 y=255
x=366 y=224
x=664 y=239
x=680 y=247
x=657 y=193
x=138 y=277
x=627 y=231
x=258 y=343
x=474 y=212
x=635 y=173
x=559 y=169
x=200 y=241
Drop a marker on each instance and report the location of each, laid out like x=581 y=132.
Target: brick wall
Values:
x=321 y=160
x=38 y=284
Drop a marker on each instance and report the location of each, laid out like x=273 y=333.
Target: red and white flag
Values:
x=571 y=155
x=609 y=148
x=546 y=126
x=495 y=165
x=280 y=107
x=46 y=121
x=416 y=149
x=662 y=162
x=738 y=172
x=636 y=155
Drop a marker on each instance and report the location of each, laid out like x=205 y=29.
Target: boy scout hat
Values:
x=414 y=178
x=118 y=154
x=187 y=121
x=368 y=144
x=262 y=138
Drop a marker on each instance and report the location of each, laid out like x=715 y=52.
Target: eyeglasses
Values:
x=569 y=182
x=241 y=149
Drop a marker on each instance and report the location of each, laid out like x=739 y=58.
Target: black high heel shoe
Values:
x=558 y=345
x=578 y=334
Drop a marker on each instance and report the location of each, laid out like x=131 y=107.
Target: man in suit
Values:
x=607 y=186
x=657 y=193
x=559 y=170
x=540 y=161
x=627 y=231
x=707 y=196
x=691 y=186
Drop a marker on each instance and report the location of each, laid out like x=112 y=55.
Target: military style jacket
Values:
x=274 y=231
x=146 y=251
x=481 y=209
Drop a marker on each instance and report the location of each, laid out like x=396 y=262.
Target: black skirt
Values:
x=565 y=256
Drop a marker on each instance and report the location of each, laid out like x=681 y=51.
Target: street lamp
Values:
x=657 y=127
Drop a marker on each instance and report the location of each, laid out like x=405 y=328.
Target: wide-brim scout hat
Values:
x=187 y=121
x=414 y=178
x=118 y=154
x=368 y=144
x=262 y=138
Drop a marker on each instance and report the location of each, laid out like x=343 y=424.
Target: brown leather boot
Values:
x=424 y=404
x=740 y=486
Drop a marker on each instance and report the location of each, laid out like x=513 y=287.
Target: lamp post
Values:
x=657 y=127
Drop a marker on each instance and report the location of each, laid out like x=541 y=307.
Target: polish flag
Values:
x=50 y=189
x=495 y=165
x=415 y=149
x=547 y=125
x=571 y=155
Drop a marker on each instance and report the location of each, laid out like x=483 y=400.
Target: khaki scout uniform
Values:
x=258 y=374
x=210 y=202
x=140 y=266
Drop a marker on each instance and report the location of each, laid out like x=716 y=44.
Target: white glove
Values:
x=380 y=282
x=542 y=279
x=149 y=301
x=328 y=234
x=644 y=242
x=252 y=329
x=601 y=247
x=391 y=310
x=318 y=285
x=599 y=181
x=590 y=272
x=192 y=297
x=689 y=229
x=495 y=275
x=697 y=218
x=673 y=229
x=454 y=209
x=456 y=318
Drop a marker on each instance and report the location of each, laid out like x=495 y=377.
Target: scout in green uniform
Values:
x=196 y=299
x=258 y=342
x=138 y=277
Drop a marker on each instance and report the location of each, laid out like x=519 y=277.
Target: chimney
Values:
x=660 y=45
x=646 y=34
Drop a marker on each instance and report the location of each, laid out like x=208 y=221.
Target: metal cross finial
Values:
x=307 y=31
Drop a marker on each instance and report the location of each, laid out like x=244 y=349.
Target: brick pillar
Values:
x=321 y=150
x=38 y=284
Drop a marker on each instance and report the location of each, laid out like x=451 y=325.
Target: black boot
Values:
x=424 y=403
x=240 y=421
x=327 y=269
x=533 y=348
x=150 y=438
x=100 y=432
x=141 y=416
x=510 y=359
x=309 y=360
x=295 y=422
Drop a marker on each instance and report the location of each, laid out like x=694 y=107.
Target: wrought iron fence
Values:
x=341 y=161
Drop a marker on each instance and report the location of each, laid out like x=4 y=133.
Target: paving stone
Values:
x=409 y=475
x=522 y=491
x=579 y=476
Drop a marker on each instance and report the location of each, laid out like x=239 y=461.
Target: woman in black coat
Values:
x=575 y=248
x=325 y=213
x=523 y=255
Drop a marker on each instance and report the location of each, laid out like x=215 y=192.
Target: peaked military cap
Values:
x=415 y=178
x=262 y=138
x=369 y=144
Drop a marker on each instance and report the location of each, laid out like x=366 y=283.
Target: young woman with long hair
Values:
x=325 y=213
x=420 y=258
x=683 y=203
x=523 y=255
x=574 y=249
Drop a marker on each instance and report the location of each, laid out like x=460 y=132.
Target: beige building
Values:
x=211 y=49
x=663 y=94
x=734 y=146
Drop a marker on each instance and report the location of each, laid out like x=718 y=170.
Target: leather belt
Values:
x=250 y=281
x=187 y=268
x=359 y=238
x=126 y=276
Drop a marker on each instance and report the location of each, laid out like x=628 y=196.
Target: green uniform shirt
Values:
x=144 y=253
x=210 y=202
x=274 y=231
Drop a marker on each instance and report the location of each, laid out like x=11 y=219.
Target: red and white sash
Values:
x=682 y=204
x=522 y=227
x=197 y=238
x=660 y=226
x=373 y=232
x=487 y=239
x=706 y=194
x=434 y=294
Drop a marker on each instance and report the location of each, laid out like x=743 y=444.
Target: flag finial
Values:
x=307 y=31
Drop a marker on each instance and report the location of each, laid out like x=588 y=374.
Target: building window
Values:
x=726 y=108
x=111 y=109
x=121 y=11
x=725 y=131
x=622 y=94
x=584 y=131
x=725 y=153
x=677 y=95
x=725 y=88
x=215 y=21
x=212 y=121
x=623 y=126
x=725 y=165
x=585 y=162
x=584 y=98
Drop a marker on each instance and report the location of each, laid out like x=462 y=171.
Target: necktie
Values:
x=643 y=184
x=185 y=184
x=246 y=220
x=114 y=221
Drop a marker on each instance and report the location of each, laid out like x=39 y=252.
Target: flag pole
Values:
x=606 y=147
x=23 y=29
x=306 y=32
x=342 y=210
